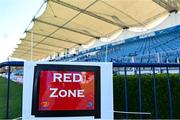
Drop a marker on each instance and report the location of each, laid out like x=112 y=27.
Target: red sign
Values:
x=66 y=90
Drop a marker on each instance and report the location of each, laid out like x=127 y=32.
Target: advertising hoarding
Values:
x=66 y=90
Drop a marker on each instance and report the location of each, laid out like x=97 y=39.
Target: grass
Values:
x=119 y=100
x=15 y=100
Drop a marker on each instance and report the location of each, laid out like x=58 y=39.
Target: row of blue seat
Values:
x=161 y=46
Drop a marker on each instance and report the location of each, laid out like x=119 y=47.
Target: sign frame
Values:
x=66 y=113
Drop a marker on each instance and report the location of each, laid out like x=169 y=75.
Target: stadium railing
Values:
x=138 y=70
x=9 y=64
x=124 y=70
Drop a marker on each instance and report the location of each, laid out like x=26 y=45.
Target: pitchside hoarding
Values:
x=67 y=91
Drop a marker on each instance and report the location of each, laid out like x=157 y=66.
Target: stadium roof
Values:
x=69 y=23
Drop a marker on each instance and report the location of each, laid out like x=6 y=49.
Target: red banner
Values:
x=66 y=90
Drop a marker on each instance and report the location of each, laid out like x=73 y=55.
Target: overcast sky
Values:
x=15 y=15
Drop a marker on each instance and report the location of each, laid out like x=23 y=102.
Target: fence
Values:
x=139 y=71
x=6 y=97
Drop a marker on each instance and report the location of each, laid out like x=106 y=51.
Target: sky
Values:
x=15 y=16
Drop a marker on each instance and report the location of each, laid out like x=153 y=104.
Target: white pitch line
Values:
x=146 y=113
x=19 y=118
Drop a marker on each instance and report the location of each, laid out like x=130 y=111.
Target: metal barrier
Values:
x=153 y=69
x=9 y=65
x=126 y=69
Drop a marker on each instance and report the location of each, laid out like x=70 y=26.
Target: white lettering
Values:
x=54 y=90
x=62 y=93
x=67 y=77
x=71 y=93
x=76 y=75
x=66 y=93
x=57 y=76
x=80 y=93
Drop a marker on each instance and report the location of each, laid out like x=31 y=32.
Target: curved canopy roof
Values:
x=69 y=23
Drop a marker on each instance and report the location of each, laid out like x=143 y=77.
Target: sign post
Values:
x=68 y=91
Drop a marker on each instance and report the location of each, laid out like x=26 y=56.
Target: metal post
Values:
x=159 y=61
x=158 y=58
x=155 y=95
x=118 y=70
x=140 y=93
x=106 y=59
x=32 y=45
x=7 y=97
x=179 y=74
x=177 y=60
x=133 y=60
x=126 y=91
x=169 y=93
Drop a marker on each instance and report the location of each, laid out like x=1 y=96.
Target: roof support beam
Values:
x=26 y=56
x=43 y=49
x=24 y=52
x=53 y=38
x=169 y=5
x=40 y=43
x=69 y=29
x=124 y=13
x=38 y=48
x=154 y=17
x=88 y=13
x=36 y=51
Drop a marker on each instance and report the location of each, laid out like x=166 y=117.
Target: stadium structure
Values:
x=140 y=37
x=144 y=31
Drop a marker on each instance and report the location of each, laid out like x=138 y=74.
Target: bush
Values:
x=147 y=95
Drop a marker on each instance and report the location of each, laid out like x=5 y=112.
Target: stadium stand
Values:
x=156 y=47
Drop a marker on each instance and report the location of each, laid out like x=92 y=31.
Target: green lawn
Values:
x=119 y=102
x=15 y=101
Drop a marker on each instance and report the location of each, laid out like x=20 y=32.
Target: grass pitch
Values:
x=15 y=99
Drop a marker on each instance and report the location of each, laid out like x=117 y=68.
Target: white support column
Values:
x=133 y=59
x=159 y=61
x=106 y=55
x=32 y=37
x=167 y=60
x=177 y=60
x=158 y=58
